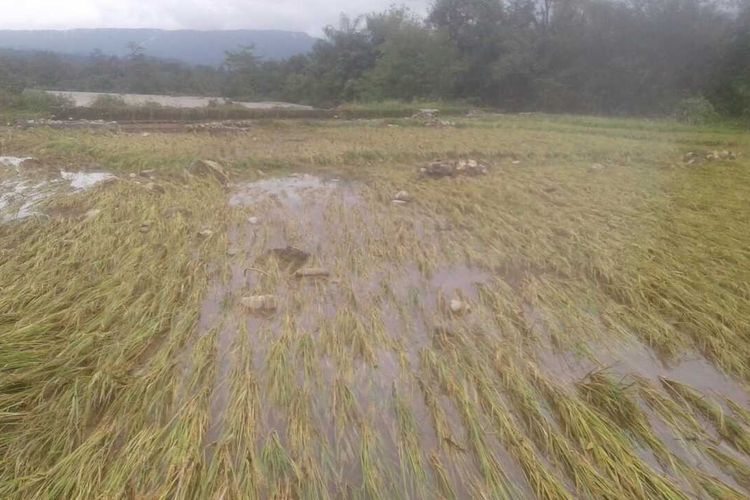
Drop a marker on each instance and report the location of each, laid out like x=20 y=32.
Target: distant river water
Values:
x=86 y=99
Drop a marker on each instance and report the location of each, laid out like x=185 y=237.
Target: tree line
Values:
x=583 y=56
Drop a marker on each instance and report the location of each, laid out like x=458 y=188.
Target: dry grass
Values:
x=605 y=354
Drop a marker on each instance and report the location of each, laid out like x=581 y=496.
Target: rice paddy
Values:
x=574 y=324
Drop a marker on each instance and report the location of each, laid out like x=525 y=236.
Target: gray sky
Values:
x=297 y=15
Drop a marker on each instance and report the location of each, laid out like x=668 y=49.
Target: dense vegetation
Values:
x=691 y=57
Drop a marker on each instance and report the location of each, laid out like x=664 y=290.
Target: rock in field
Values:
x=209 y=168
x=458 y=306
x=403 y=197
x=259 y=303
x=155 y=188
x=439 y=169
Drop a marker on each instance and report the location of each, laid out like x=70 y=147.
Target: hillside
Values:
x=194 y=47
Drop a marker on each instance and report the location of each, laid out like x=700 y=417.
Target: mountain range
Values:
x=189 y=46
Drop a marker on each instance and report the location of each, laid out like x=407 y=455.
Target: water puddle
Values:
x=85 y=180
x=22 y=189
x=13 y=161
x=361 y=327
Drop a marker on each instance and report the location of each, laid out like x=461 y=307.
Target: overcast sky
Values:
x=297 y=15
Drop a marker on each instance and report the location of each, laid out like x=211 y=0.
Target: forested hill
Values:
x=194 y=47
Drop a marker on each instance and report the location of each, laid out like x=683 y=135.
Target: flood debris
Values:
x=222 y=126
x=312 y=272
x=208 y=168
x=429 y=117
x=693 y=157
x=426 y=114
x=259 y=303
x=452 y=168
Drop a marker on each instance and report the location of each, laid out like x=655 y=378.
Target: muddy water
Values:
x=336 y=223
x=360 y=333
x=25 y=184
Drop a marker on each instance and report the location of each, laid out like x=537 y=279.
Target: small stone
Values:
x=516 y=162
x=596 y=167
x=93 y=213
x=259 y=303
x=205 y=233
x=145 y=134
x=312 y=272
x=132 y=175
x=402 y=196
x=458 y=306
x=149 y=174
x=253 y=220
x=155 y=188
x=399 y=202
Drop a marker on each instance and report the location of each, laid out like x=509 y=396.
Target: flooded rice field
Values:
x=361 y=329
x=371 y=353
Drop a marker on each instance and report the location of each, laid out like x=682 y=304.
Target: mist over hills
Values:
x=189 y=46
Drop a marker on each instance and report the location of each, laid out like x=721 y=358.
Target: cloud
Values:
x=297 y=15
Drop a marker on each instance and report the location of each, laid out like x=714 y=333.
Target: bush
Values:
x=41 y=101
x=696 y=111
x=8 y=99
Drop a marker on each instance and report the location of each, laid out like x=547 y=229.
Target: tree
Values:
x=476 y=29
x=412 y=61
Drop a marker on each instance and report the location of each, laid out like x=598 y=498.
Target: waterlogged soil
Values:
x=342 y=357
x=25 y=184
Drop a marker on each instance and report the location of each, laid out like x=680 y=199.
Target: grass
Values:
x=604 y=356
